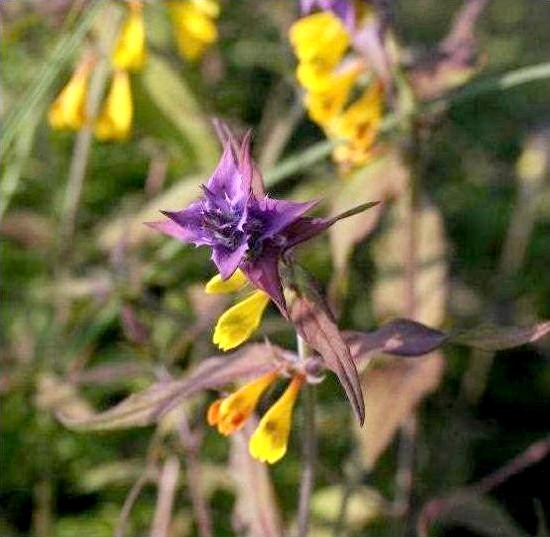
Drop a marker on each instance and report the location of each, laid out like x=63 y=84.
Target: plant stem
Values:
x=81 y=152
x=191 y=446
x=167 y=486
x=309 y=450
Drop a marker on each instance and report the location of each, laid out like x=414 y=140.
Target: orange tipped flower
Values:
x=269 y=441
x=230 y=413
x=129 y=51
x=68 y=111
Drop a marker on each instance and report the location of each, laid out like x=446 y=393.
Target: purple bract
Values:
x=243 y=226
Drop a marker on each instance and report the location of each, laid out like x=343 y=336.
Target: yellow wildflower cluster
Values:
x=194 y=26
x=195 y=31
x=320 y=42
x=269 y=441
x=240 y=321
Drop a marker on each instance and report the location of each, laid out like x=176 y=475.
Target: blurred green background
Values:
x=63 y=300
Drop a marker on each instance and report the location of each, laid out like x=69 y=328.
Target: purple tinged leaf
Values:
x=146 y=407
x=264 y=274
x=282 y=213
x=400 y=337
x=403 y=337
x=249 y=169
x=343 y=9
x=369 y=40
x=314 y=321
x=172 y=229
x=496 y=338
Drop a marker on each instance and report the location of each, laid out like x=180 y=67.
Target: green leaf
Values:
x=176 y=101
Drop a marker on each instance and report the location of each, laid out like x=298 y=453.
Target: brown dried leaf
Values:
x=394 y=389
x=455 y=59
x=56 y=395
x=256 y=513
x=389 y=253
x=28 y=228
x=146 y=407
x=379 y=181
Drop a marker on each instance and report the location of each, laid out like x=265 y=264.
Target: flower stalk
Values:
x=307 y=481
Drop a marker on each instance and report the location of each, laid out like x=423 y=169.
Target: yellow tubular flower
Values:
x=269 y=441
x=194 y=26
x=230 y=413
x=235 y=283
x=129 y=51
x=68 y=111
x=358 y=126
x=324 y=105
x=320 y=39
x=115 y=120
x=240 y=321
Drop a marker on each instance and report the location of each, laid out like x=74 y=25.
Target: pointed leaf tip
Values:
x=355 y=210
x=496 y=338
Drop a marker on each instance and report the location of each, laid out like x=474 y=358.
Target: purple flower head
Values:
x=243 y=226
x=343 y=9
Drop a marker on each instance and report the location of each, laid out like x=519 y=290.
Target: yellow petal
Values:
x=115 y=119
x=328 y=101
x=270 y=439
x=194 y=26
x=129 y=51
x=358 y=126
x=208 y=7
x=232 y=412
x=235 y=283
x=320 y=39
x=68 y=111
x=240 y=321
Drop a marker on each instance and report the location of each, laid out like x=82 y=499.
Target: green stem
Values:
x=309 y=450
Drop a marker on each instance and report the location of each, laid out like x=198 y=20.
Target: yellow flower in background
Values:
x=194 y=26
x=326 y=103
x=115 y=119
x=358 y=127
x=320 y=40
x=230 y=413
x=129 y=51
x=239 y=322
x=270 y=440
x=68 y=111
